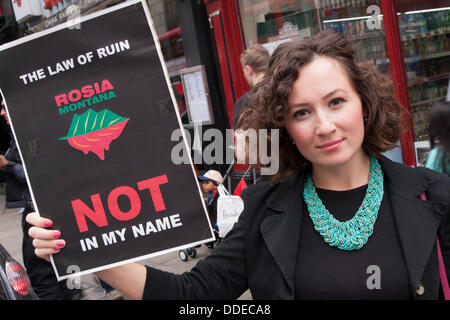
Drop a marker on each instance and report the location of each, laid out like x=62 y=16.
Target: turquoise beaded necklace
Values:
x=354 y=233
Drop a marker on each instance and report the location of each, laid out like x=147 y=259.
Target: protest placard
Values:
x=92 y=110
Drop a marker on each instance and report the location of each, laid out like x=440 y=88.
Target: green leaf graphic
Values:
x=91 y=121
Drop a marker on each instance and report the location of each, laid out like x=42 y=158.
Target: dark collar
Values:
x=416 y=221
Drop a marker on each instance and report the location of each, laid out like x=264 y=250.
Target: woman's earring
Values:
x=365 y=119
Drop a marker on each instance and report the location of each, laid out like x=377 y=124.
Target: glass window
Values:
x=362 y=23
x=425 y=35
x=271 y=22
x=165 y=17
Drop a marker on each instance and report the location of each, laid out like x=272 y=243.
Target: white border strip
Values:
x=174 y=103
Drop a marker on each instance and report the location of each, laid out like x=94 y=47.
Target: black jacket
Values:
x=241 y=104
x=260 y=252
x=17 y=193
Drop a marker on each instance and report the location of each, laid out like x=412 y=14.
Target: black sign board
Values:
x=93 y=113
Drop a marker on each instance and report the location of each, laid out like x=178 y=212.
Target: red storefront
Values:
x=409 y=39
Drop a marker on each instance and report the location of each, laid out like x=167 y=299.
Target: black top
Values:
x=17 y=192
x=376 y=271
x=241 y=104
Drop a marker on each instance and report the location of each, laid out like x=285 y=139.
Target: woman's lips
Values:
x=331 y=146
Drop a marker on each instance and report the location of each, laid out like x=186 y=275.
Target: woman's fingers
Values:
x=45 y=242
x=49 y=244
x=44 y=234
x=36 y=220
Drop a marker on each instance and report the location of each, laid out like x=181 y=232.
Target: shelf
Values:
x=427 y=57
x=425 y=34
x=429 y=101
x=422 y=80
x=374 y=34
x=382 y=61
x=403 y=38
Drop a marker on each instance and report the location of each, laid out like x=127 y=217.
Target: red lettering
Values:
x=74 y=95
x=82 y=211
x=97 y=214
x=153 y=185
x=97 y=88
x=135 y=202
x=87 y=91
x=106 y=85
x=61 y=100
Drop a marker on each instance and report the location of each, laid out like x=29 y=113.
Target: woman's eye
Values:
x=336 y=101
x=300 y=113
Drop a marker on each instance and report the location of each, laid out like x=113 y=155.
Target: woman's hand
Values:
x=3 y=162
x=46 y=242
x=128 y=279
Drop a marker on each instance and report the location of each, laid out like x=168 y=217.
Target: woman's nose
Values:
x=325 y=124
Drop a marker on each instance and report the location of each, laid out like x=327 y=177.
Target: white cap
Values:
x=211 y=175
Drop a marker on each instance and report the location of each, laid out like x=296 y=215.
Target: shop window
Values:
x=425 y=35
x=273 y=22
x=165 y=17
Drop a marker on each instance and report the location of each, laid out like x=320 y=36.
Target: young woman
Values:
x=341 y=221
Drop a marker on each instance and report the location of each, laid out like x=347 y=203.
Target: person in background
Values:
x=339 y=221
x=254 y=61
x=439 y=129
x=210 y=181
x=40 y=271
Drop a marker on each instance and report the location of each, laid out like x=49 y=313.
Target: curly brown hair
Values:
x=269 y=100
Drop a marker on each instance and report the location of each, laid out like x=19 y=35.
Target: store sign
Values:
x=288 y=30
x=26 y=9
x=93 y=112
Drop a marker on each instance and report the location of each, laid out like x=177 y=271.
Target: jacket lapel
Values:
x=417 y=221
x=281 y=231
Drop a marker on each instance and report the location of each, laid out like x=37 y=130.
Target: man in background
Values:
x=254 y=61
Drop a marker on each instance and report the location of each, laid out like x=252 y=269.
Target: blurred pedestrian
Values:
x=210 y=180
x=40 y=271
x=439 y=131
x=254 y=61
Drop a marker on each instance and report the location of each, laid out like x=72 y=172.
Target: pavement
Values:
x=11 y=238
